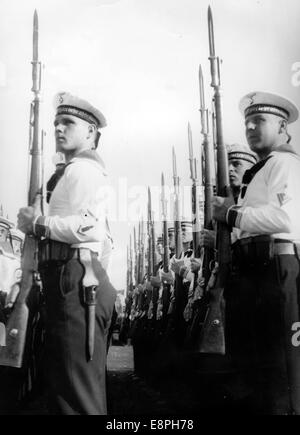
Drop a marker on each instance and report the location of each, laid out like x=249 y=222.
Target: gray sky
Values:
x=137 y=60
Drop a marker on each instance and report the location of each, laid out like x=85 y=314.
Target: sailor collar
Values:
x=90 y=155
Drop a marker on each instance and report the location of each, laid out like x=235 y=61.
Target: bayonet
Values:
x=214 y=61
x=149 y=207
x=191 y=153
x=203 y=109
x=35 y=37
x=174 y=164
x=163 y=198
x=36 y=64
x=211 y=33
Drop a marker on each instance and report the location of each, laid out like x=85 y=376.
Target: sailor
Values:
x=184 y=279
x=9 y=268
x=240 y=159
x=74 y=254
x=262 y=296
x=5 y=226
x=17 y=241
x=167 y=278
x=155 y=281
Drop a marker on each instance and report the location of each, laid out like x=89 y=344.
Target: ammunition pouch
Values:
x=259 y=251
x=53 y=251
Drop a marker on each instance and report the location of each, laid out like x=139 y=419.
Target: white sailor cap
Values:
x=264 y=102
x=171 y=230
x=17 y=234
x=186 y=226
x=159 y=240
x=67 y=104
x=241 y=152
x=5 y=223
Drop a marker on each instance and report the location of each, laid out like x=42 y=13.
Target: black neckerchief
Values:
x=250 y=173
x=86 y=155
x=51 y=184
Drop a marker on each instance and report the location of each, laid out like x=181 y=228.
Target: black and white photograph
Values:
x=150 y=210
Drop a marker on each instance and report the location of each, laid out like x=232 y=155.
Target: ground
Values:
x=178 y=390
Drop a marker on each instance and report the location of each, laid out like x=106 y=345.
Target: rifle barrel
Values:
x=165 y=226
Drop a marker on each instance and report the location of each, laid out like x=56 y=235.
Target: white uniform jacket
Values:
x=271 y=204
x=77 y=215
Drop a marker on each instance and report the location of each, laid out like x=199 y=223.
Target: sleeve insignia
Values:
x=283 y=198
x=83 y=230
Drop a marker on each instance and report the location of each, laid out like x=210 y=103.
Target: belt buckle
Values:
x=271 y=249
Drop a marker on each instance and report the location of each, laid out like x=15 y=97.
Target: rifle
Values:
x=17 y=330
x=151 y=238
x=195 y=197
x=176 y=298
x=153 y=244
x=128 y=272
x=166 y=256
x=142 y=252
x=135 y=258
x=214 y=137
x=136 y=274
x=140 y=266
x=213 y=337
x=165 y=226
x=130 y=265
x=139 y=254
x=150 y=271
x=206 y=179
x=177 y=220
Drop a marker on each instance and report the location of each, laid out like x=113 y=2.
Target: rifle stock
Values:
x=213 y=333
x=16 y=328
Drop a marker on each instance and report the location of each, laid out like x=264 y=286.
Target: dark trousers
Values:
x=76 y=386
x=262 y=305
